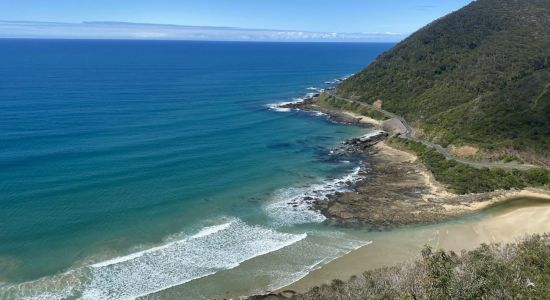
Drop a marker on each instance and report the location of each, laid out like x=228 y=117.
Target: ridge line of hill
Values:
x=476 y=78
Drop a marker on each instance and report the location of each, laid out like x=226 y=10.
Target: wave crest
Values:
x=212 y=249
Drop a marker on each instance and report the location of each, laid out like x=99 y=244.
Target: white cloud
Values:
x=119 y=30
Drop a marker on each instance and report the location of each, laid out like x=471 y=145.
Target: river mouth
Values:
x=504 y=222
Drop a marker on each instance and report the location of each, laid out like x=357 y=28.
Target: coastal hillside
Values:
x=478 y=77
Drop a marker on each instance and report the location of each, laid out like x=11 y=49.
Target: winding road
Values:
x=408 y=133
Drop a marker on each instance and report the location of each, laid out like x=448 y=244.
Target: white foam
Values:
x=354 y=245
x=347 y=76
x=204 y=232
x=320 y=114
x=278 y=106
x=320 y=248
x=371 y=135
x=295 y=205
x=212 y=249
x=312 y=88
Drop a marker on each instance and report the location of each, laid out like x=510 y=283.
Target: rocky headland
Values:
x=396 y=188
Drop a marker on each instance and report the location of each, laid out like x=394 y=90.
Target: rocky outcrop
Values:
x=397 y=190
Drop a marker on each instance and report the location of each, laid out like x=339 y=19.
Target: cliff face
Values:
x=479 y=76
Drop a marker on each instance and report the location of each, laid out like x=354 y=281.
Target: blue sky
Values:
x=376 y=19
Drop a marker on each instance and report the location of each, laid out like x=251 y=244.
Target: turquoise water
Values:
x=128 y=167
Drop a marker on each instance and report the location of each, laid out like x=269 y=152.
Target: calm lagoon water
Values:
x=129 y=167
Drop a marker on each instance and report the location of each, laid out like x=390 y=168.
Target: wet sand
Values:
x=507 y=222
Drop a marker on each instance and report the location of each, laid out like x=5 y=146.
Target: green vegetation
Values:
x=513 y=271
x=479 y=76
x=462 y=179
x=511 y=158
x=327 y=100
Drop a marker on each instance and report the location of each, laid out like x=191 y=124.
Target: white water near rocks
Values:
x=293 y=205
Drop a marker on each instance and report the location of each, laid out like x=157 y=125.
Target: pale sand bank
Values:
x=348 y=114
x=516 y=219
x=363 y=119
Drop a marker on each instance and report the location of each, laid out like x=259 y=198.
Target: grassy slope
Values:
x=478 y=76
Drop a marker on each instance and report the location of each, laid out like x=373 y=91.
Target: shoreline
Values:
x=427 y=203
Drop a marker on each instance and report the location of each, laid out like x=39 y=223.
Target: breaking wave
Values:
x=212 y=249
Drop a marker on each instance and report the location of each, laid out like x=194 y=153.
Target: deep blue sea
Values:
x=134 y=168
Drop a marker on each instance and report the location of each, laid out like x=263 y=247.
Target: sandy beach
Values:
x=506 y=223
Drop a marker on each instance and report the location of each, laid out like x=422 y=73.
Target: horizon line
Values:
x=184 y=40
x=150 y=31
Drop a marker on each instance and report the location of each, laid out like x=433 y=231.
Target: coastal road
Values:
x=408 y=133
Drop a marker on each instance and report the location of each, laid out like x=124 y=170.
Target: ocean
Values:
x=157 y=169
